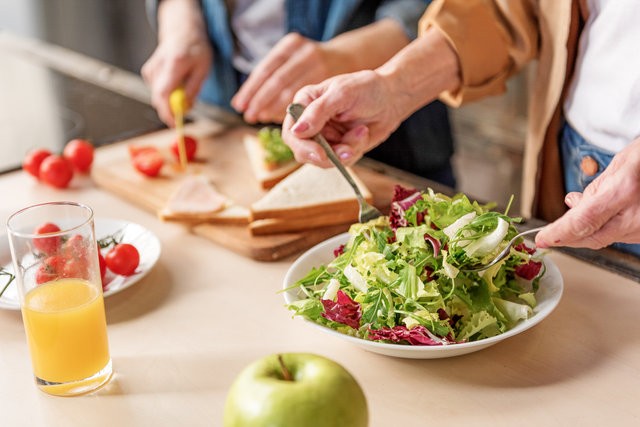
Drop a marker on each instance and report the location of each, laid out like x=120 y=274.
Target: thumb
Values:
x=573 y=199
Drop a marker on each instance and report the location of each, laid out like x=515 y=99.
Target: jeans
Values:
x=574 y=148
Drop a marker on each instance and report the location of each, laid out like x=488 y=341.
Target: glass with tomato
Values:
x=55 y=257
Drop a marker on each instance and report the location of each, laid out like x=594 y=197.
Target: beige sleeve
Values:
x=493 y=40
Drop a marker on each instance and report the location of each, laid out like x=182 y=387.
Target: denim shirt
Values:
x=319 y=20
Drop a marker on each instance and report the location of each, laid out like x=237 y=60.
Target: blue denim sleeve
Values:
x=406 y=12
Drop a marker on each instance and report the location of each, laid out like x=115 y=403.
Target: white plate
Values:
x=144 y=240
x=548 y=297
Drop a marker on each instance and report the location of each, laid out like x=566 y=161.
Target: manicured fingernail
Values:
x=362 y=131
x=313 y=157
x=345 y=155
x=300 y=127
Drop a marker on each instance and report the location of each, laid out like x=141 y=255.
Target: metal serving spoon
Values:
x=504 y=253
x=367 y=212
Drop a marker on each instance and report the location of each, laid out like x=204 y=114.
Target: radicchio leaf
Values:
x=344 y=310
x=435 y=243
x=417 y=335
x=529 y=271
x=401 y=193
x=521 y=247
x=338 y=251
x=403 y=199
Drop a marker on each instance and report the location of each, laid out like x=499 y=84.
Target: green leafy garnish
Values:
x=276 y=152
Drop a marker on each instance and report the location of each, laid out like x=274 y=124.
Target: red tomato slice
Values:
x=33 y=160
x=147 y=160
x=80 y=153
x=56 y=171
x=190 y=147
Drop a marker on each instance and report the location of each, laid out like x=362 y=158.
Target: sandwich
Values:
x=270 y=158
x=196 y=200
x=309 y=197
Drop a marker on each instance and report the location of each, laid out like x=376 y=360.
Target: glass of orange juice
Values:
x=55 y=257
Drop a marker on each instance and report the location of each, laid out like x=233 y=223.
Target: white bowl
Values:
x=548 y=297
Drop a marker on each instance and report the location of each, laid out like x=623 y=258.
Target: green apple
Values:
x=295 y=390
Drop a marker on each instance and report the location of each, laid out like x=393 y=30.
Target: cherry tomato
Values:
x=50 y=269
x=56 y=171
x=80 y=153
x=123 y=259
x=74 y=247
x=47 y=245
x=146 y=160
x=76 y=268
x=33 y=160
x=190 y=147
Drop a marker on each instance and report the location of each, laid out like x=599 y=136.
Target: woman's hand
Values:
x=608 y=210
x=293 y=63
x=183 y=55
x=297 y=61
x=353 y=113
x=356 y=112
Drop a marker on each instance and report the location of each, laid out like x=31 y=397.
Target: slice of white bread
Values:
x=266 y=175
x=260 y=227
x=197 y=200
x=307 y=198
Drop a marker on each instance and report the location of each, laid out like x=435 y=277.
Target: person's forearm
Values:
x=178 y=16
x=421 y=71
x=367 y=47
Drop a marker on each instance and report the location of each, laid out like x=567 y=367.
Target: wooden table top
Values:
x=180 y=336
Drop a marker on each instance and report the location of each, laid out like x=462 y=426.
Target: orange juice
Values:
x=66 y=330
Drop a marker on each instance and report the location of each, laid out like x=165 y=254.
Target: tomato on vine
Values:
x=123 y=259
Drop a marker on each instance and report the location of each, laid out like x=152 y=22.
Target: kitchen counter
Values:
x=180 y=336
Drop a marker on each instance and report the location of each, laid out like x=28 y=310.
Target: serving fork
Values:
x=366 y=211
x=503 y=254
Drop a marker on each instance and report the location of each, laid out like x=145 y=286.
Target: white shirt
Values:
x=604 y=98
x=257 y=25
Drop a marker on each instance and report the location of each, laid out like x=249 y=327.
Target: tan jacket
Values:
x=494 y=39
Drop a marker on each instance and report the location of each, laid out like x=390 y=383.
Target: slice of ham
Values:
x=195 y=196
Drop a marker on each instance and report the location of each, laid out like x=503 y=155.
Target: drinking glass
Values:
x=55 y=257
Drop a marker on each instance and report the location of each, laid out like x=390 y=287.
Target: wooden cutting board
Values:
x=222 y=157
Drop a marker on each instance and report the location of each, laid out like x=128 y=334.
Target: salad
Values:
x=401 y=278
